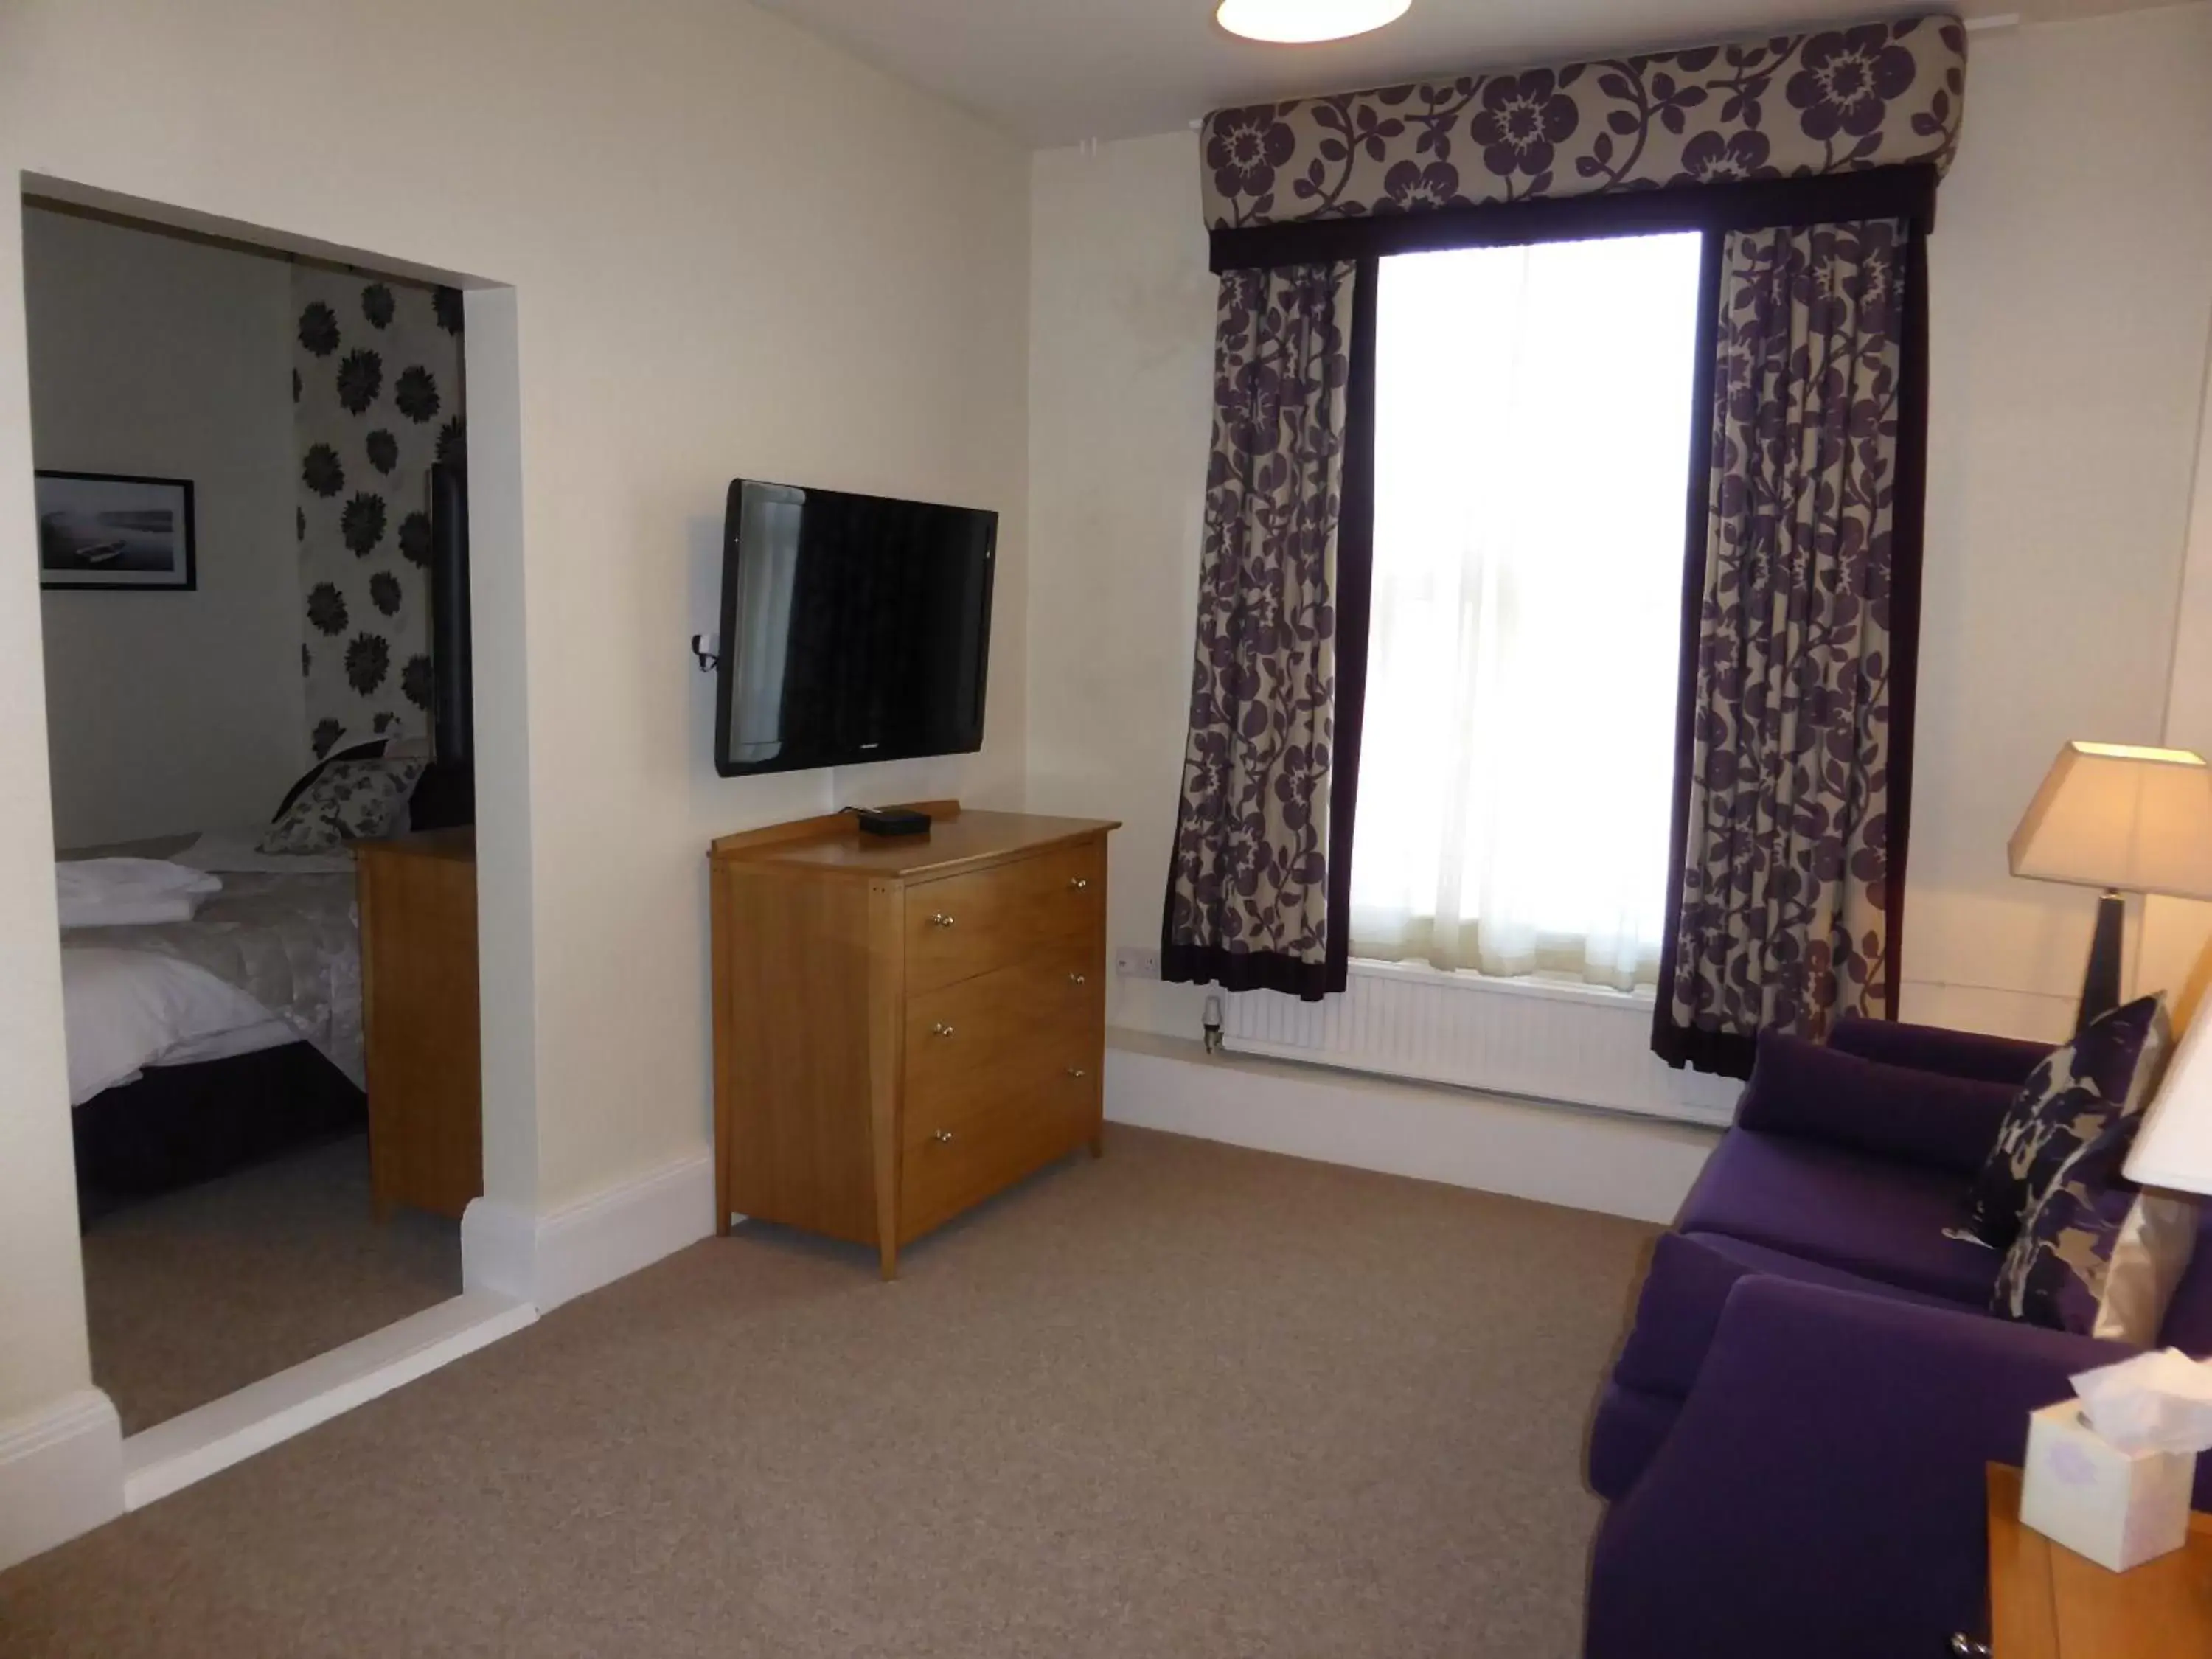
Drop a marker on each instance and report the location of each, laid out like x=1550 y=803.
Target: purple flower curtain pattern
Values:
x=1788 y=107
x=1247 y=901
x=1783 y=922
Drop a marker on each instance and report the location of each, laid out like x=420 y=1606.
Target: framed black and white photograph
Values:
x=108 y=530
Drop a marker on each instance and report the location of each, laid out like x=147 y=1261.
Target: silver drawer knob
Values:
x=1080 y=883
x=1078 y=979
x=943 y=1137
x=1964 y=1647
x=940 y=1030
x=1077 y=1070
x=940 y=919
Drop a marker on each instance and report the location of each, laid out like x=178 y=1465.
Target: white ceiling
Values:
x=1057 y=71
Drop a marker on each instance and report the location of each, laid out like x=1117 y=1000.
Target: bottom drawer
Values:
x=972 y=1146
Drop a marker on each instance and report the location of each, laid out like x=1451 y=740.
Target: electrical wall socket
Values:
x=1137 y=961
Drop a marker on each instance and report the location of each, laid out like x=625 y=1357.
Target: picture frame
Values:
x=116 y=532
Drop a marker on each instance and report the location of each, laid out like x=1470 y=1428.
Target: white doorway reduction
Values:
x=199 y=1443
x=67 y=1467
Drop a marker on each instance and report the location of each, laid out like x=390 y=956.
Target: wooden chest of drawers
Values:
x=903 y=1027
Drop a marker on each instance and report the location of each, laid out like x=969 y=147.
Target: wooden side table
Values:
x=2046 y=1602
x=418 y=1004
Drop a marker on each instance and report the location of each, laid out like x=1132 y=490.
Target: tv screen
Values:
x=853 y=629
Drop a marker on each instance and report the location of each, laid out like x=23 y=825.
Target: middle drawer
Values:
x=1050 y=1008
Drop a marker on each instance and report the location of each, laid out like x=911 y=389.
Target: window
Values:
x=1533 y=424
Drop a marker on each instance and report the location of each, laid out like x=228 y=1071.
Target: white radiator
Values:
x=1583 y=1046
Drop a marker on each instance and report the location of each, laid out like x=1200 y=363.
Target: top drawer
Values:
x=963 y=926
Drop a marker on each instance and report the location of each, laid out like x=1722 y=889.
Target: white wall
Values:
x=2073 y=293
x=157 y=355
x=1120 y=399
x=2175 y=948
x=731 y=251
x=41 y=1270
x=2073 y=273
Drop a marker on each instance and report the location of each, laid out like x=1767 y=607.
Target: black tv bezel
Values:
x=725 y=659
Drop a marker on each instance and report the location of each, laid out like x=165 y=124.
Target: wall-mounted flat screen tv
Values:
x=854 y=628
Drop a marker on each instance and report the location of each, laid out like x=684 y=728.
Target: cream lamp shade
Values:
x=2127 y=820
x=1293 y=23
x=2173 y=1148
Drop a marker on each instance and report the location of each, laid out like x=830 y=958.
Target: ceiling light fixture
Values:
x=1289 y=22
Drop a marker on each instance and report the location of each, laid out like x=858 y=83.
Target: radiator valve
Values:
x=1212 y=1024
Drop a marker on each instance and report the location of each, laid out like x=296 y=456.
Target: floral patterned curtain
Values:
x=1247 y=899
x=1793 y=767
x=1791 y=828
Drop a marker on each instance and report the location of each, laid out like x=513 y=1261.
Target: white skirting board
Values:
x=1586 y=1159
x=546 y=1260
x=61 y=1474
x=210 y=1438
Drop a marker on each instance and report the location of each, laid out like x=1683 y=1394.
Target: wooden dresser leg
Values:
x=887 y=1257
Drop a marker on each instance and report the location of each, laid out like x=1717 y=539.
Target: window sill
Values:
x=1524 y=985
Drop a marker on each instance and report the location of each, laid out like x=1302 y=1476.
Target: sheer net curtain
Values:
x=1532 y=456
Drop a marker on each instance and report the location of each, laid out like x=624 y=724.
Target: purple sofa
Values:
x=1792 y=1444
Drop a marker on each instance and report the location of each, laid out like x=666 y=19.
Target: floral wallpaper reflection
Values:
x=377 y=397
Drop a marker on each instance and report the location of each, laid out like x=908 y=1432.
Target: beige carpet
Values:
x=203 y=1291
x=1189 y=1400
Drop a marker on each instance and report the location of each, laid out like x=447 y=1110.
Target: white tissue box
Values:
x=2120 y=1509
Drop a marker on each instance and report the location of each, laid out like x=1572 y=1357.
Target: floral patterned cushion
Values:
x=351 y=801
x=2105 y=1073
x=2097 y=1255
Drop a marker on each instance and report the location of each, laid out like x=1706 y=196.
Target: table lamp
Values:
x=2174 y=1147
x=2127 y=820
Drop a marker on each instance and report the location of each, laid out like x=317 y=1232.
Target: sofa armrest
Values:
x=1842 y=1099
x=1822 y=1492
x=1972 y=1054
